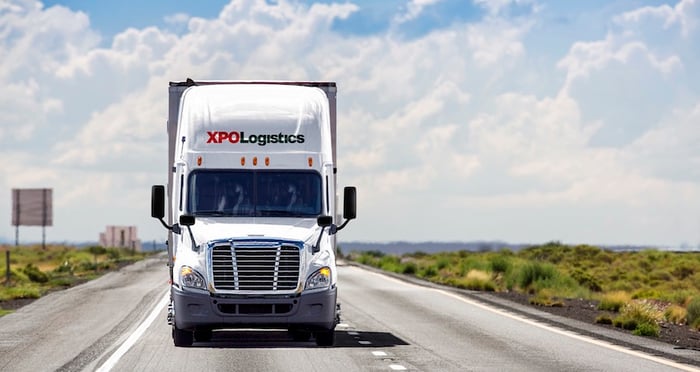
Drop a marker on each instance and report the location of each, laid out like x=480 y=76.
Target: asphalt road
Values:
x=118 y=323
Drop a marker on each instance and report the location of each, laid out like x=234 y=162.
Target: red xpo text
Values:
x=259 y=139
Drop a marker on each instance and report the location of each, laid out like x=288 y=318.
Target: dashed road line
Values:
x=376 y=353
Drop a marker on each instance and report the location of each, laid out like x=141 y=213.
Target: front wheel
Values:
x=325 y=338
x=182 y=338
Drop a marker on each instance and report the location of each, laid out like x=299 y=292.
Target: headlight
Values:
x=320 y=279
x=190 y=278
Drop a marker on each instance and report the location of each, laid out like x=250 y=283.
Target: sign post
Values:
x=30 y=207
x=7 y=266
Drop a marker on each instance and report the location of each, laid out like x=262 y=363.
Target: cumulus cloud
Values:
x=448 y=136
x=496 y=41
x=684 y=15
x=585 y=58
x=177 y=19
x=502 y=7
x=413 y=9
x=34 y=42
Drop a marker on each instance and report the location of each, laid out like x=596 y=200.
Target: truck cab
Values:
x=252 y=208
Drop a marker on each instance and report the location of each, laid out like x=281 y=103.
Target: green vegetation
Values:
x=36 y=271
x=614 y=301
x=643 y=288
x=693 y=313
x=675 y=314
x=641 y=317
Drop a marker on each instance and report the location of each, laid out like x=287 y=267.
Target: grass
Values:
x=36 y=271
x=546 y=297
x=623 y=282
x=676 y=314
x=693 y=313
x=614 y=301
x=641 y=317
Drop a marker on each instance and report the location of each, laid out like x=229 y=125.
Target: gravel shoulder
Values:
x=679 y=336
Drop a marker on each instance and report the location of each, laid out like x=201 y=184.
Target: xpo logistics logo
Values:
x=260 y=139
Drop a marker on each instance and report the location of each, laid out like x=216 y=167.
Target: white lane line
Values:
x=112 y=361
x=397 y=367
x=379 y=353
x=562 y=332
x=353 y=333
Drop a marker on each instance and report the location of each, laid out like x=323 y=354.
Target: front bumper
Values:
x=312 y=311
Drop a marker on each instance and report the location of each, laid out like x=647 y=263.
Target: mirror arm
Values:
x=165 y=224
x=174 y=228
x=342 y=226
x=195 y=247
x=316 y=248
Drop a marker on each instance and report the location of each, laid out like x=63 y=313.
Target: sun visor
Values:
x=254 y=118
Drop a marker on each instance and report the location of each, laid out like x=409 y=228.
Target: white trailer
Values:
x=251 y=208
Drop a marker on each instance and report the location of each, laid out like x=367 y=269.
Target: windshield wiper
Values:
x=213 y=213
x=276 y=213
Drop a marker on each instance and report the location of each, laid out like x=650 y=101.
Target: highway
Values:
x=118 y=323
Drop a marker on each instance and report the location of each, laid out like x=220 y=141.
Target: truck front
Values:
x=253 y=193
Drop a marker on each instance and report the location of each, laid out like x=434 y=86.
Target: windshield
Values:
x=247 y=193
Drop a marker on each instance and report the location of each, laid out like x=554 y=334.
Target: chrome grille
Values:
x=255 y=267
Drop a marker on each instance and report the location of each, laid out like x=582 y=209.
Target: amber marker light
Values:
x=325 y=272
x=255 y=160
x=199 y=160
x=311 y=161
x=267 y=161
x=242 y=160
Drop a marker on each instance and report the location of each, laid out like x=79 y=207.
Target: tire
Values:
x=325 y=338
x=202 y=335
x=300 y=335
x=182 y=338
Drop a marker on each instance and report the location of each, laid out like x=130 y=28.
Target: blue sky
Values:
x=110 y=18
x=518 y=120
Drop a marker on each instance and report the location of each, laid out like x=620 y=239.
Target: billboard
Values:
x=32 y=207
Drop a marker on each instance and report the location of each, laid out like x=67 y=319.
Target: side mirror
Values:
x=158 y=201
x=186 y=220
x=349 y=203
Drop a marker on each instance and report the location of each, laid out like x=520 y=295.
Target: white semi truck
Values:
x=252 y=208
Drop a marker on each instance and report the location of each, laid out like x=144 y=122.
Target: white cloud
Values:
x=684 y=14
x=670 y=149
x=413 y=10
x=585 y=58
x=495 y=41
x=432 y=130
x=24 y=109
x=502 y=7
x=177 y=19
x=34 y=42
